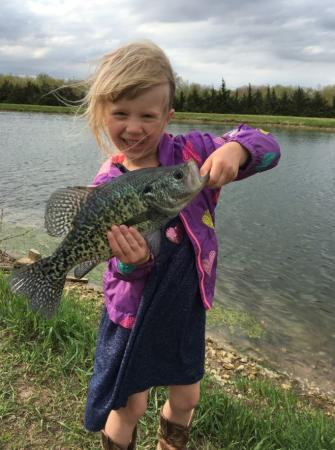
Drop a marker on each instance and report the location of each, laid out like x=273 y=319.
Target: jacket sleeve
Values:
x=263 y=149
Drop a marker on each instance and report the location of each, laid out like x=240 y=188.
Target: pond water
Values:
x=276 y=231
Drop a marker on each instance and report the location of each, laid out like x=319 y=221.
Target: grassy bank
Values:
x=37 y=108
x=257 y=120
x=46 y=365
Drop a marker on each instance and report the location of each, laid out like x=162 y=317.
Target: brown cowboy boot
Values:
x=108 y=444
x=172 y=436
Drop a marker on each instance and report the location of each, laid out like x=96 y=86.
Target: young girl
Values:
x=152 y=331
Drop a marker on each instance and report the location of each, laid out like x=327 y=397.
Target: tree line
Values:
x=190 y=97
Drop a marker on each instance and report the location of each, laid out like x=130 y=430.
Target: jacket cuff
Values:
x=130 y=273
x=125 y=268
x=264 y=151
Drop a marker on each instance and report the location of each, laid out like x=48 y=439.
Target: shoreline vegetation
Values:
x=327 y=124
x=46 y=366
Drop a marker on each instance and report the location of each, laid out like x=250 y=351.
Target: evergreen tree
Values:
x=236 y=103
x=213 y=101
x=32 y=93
x=267 y=101
x=299 y=102
x=258 y=104
x=224 y=97
x=318 y=106
x=5 y=89
x=249 y=101
x=284 y=104
x=193 y=99
x=333 y=107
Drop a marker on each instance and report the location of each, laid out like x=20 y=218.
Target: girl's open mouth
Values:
x=132 y=142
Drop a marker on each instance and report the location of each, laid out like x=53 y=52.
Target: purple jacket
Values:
x=123 y=291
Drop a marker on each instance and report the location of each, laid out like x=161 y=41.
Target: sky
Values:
x=262 y=42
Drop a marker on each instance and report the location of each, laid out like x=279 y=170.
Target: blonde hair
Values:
x=126 y=73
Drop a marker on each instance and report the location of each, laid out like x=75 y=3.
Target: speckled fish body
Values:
x=145 y=199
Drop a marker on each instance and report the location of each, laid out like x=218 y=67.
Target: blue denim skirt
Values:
x=165 y=347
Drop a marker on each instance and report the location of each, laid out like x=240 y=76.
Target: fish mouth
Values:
x=195 y=180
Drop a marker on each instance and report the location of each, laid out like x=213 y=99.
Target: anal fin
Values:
x=82 y=269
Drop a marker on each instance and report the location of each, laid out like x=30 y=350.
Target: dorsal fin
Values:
x=62 y=207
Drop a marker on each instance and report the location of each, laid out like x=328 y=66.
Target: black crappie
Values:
x=145 y=199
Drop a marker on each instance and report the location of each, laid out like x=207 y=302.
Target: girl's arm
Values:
x=235 y=155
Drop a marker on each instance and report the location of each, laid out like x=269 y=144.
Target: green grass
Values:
x=37 y=108
x=258 y=120
x=235 y=320
x=251 y=119
x=46 y=366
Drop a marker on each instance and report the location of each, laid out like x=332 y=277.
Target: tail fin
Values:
x=38 y=282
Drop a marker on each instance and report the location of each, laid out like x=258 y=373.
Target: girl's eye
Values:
x=118 y=114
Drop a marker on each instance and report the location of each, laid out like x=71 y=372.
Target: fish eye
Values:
x=147 y=190
x=178 y=174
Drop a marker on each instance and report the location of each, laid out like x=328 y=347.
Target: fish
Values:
x=145 y=199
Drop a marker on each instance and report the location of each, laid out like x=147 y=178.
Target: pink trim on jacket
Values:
x=199 y=262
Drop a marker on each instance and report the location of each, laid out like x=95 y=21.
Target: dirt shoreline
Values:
x=223 y=361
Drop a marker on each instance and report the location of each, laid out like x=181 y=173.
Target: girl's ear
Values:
x=170 y=114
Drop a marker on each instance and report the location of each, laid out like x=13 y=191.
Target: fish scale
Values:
x=145 y=198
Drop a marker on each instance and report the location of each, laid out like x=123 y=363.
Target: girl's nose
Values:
x=134 y=126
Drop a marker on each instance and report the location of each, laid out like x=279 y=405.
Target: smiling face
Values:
x=135 y=125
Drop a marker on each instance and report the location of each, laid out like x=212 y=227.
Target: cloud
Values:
x=262 y=42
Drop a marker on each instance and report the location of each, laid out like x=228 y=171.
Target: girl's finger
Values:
x=206 y=167
x=120 y=240
x=128 y=238
x=137 y=236
x=113 y=244
x=214 y=175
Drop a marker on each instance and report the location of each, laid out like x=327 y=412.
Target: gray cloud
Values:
x=16 y=22
x=287 y=42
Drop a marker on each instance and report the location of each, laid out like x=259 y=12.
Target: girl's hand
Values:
x=128 y=245
x=223 y=164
